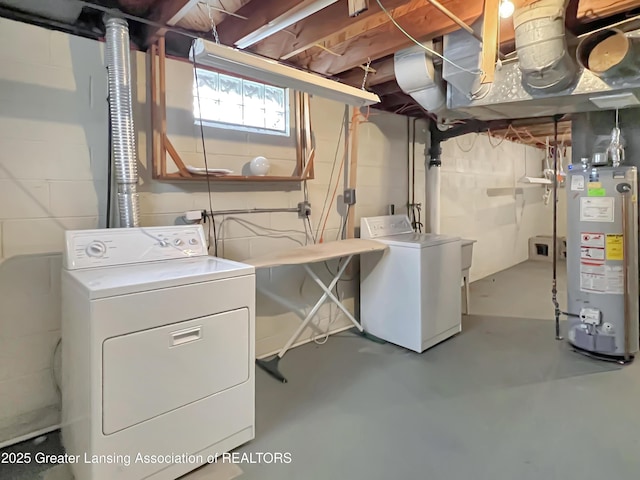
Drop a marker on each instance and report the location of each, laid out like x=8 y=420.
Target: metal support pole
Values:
x=554 y=289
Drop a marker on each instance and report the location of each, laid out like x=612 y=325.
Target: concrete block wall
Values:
x=53 y=171
x=481 y=199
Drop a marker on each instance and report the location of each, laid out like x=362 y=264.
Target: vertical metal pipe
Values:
x=554 y=289
x=433 y=184
x=123 y=132
x=625 y=191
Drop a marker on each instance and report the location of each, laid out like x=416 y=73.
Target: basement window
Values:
x=240 y=104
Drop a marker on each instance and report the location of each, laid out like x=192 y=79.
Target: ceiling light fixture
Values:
x=506 y=8
x=299 y=12
x=270 y=71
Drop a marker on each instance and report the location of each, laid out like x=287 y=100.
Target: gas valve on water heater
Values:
x=602 y=259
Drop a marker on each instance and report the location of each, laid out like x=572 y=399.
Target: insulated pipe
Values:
x=122 y=129
x=541 y=44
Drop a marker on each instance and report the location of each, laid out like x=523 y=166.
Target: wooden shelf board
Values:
x=232 y=178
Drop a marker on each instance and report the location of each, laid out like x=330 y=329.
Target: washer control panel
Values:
x=376 y=227
x=121 y=246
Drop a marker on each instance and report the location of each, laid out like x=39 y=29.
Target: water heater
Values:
x=602 y=260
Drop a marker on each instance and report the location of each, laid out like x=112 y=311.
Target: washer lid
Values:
x=417 y=240
x=120 y=280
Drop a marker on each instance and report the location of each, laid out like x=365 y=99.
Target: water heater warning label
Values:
x=592 y=277
x=615 y=247
x=596 y=277
x=597 y=209
x=593 y=240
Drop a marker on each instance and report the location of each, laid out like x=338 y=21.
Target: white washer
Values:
x=410 y=296
x=157 y=352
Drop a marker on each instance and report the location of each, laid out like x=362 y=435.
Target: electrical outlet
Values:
x=349 y=196
x=304 y=209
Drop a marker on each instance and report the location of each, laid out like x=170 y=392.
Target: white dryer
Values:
x=410 y=296
x=157 y=352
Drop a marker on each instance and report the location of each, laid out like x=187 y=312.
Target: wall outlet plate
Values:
x=304 y=209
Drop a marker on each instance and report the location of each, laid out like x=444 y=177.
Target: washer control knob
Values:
x=178 y=242
x=96 y=249
x=193 y=241
x=164 y=243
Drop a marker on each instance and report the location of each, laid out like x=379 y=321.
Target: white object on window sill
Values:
x=212 y=171
x=259 y=166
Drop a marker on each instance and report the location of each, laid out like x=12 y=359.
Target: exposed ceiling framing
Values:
x=329 y=41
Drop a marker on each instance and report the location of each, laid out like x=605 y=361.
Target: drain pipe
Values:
x=434 y=162
x=121 y=118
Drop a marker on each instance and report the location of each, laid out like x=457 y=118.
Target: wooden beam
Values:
x=490 y=27
x=387 y=88
x=164 y=12
x=384 y=72
x=259 y=13
x=424 y=23
x=327 y=25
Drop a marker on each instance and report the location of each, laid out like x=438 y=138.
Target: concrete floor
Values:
x=521 y=291
x=501 y=401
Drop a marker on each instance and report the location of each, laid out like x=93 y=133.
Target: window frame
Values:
x=289 y=117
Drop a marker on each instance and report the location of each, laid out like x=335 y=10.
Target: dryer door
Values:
x=149 y=373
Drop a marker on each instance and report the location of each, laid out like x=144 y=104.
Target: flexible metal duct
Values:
x=122 y=131
x=541 y=44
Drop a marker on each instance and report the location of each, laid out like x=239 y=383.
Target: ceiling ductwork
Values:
x=544 y=79
x=511 y=96
x=541 y=44
x=417 y=77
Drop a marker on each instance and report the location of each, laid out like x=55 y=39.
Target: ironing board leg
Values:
x=272 y=368
x=329 y=293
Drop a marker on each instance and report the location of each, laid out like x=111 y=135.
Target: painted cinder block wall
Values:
x=53 y=170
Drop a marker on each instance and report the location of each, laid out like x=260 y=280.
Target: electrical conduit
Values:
x=123 y=133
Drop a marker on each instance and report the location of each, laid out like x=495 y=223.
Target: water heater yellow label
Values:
x=615 y=250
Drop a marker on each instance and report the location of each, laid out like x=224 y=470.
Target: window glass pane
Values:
x=274 y=97
x=253 y=94
x=254 y=116
x=230 y=113
x=207 y=85
x=244 y=103
x=230 y=89
x=210 y=109
x=275 y=120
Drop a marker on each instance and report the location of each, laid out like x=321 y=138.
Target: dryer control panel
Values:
x=121 y=246
x=385 y=226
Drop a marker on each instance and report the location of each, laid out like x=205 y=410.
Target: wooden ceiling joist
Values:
x=423 y=23
x=163 y=12
x=384 y=72
x=329 y=25
x=259 y=13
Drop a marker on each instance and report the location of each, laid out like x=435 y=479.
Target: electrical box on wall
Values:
x=349 y=196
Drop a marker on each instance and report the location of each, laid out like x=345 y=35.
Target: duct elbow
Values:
x=416 y=75
x=541 y=43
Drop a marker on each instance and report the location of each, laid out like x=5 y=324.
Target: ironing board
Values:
x=306 y=256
